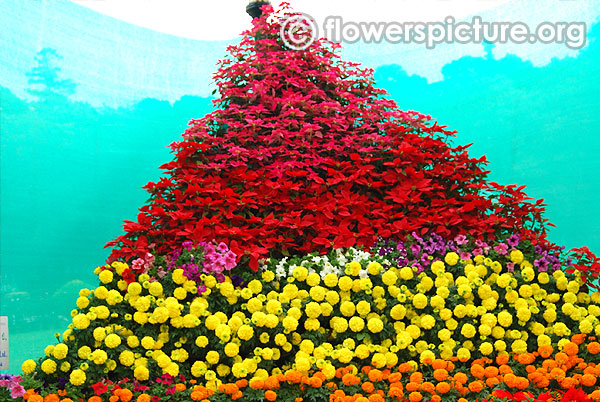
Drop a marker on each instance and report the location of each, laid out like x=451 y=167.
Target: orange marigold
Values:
x=428 y=387
x=415 y=396
x=405 y=367
x=477 y=371
x=439 y=364
x=557 y=374
x=545 y=351
x=416 y=377
x=440 y=374
x=526 y=358
x=257 y=383
x=394 y=377
x=571 y=349
x=460 y=378
x=376 y=398
x=367 y=387
x=272 y=382
x=491 y=371
x=442 y=387
x=492 y=381
x=395 y=392
x=561 y=358
x=148 y=398
x=510 y=380
x=475 y=386
x=522 y=382
x=568 y=382
x=588 y=380
x=316 y=382
x=593 y=347
x=348 y=379
x=502 y=359
x=375 y=375
x=412 y=386
x=270 y=395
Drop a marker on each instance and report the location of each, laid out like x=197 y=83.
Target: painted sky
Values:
x=117 y=63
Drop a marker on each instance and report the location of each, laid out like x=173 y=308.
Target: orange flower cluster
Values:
x=59 y=396
x=573 y=365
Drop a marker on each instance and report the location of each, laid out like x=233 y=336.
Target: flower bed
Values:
x=401 y=321
x=252 y=273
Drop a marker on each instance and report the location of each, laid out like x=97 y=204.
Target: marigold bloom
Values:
x=460 y=378
x=475 y=386
x=440 y=374
x=477 y=371
x=368 y=387
x=588 y=380
x=571 y=349
x=593 y=347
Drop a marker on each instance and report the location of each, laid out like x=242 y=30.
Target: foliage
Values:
x=304 y=154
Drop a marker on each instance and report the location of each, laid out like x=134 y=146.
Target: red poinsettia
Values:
x=304 y=154
x=575 y=395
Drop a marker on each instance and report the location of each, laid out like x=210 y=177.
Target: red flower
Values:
x=304 y=154
x=575 y=395
x=99 y=388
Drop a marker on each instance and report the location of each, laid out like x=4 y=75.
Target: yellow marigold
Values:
x=516 y=256
x=77 y=377
x=451 y=258
x=28 y=366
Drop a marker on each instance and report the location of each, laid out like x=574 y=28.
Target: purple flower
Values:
x=464 y=255
x=17 y=391
x=501 y=249
x=417 y=237
x=187 y=245
x=513 y=240
x=415 y=249
x=461 y=240
x=161 y=272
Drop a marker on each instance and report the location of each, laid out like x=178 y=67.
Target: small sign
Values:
x=3 y=343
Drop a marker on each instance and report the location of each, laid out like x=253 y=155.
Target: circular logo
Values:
x=299 y=31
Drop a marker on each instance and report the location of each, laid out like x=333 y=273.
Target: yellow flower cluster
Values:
x=364 y=314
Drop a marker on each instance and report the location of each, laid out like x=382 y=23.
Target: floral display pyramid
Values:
x=311 y=242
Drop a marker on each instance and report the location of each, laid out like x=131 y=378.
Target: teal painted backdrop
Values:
x=88 y=108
